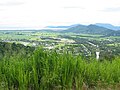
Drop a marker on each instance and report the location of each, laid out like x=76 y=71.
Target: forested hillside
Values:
x=11 y=49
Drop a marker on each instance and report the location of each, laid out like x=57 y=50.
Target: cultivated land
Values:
x=83 y=44
x=50 y=60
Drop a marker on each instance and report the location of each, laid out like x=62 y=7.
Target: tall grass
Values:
x=48 y=70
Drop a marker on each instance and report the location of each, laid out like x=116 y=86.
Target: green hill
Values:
x=91 y=29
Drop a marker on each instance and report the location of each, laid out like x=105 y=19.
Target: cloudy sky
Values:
x=40 y=13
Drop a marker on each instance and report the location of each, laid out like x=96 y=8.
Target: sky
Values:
x=41 y=13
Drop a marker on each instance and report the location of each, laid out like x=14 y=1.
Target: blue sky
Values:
x=40 y=13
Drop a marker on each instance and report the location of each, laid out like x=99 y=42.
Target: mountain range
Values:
x=69 y=26
x=105 y=25
x=90 y=29
x=109 y=26
x=98 y=28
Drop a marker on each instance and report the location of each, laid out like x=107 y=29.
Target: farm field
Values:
x=84 y=44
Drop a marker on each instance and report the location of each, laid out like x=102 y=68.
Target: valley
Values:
x=85 y=45
x=72 y=59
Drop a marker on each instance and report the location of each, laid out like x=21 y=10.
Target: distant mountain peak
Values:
x=92 y=29
x=109 y=26
x=102 y=25
x=63 y=26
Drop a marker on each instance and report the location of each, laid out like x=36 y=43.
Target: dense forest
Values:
x=12 y=49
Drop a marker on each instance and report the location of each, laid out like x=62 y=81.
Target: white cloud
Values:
x=11 y=3
x=112 y=9
x=38 y=13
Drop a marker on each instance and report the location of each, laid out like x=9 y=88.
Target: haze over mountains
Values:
x=92 y=29
x=69 y=26
x=98 y=28
x=109 y=26
x=105 y=25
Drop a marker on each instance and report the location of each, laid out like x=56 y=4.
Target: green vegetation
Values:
x=85 y=45
x=49 y=70
x=66 y=61
x=11 y=49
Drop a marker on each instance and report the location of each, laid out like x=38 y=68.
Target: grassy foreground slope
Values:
x=48 y=70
